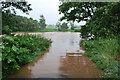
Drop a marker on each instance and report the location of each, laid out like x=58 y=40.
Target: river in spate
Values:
x=62 y=60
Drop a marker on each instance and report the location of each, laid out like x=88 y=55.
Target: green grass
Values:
x=20 y=50
x=49 y=30
x=54 y=30
x=105 y=53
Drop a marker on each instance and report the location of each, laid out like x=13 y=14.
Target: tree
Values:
x=23 y=6
x=19 y=23
x=78 y=11
x=103 y=19
x=6 y=30
x=104 y=23
x=72 y=25
x=64 y=27
x=42 y=22
x=9 y=19
x=58 y=24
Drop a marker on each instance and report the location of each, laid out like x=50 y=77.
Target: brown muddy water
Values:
x=63 y=59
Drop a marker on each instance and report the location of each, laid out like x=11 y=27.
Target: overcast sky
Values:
x=49 y=8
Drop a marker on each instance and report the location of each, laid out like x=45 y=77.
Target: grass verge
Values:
x=54 y=30
x=105 y=53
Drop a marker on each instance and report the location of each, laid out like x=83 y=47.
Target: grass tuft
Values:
x=105 y=53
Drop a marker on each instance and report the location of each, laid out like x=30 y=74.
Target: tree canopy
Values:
x=12 y=22
x=103 y=19
x=12 y=6
x=42 y=22
x=104 y=23
x=18 y=23
x=78 y=11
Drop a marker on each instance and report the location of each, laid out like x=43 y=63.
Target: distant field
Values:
x=56 y=30
x=51 y=29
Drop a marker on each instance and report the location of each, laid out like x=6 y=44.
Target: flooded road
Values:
x=63 y=59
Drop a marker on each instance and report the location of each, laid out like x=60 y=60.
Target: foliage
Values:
x=48 y=30
x=19 y=23
x=103 y=19
x=6 y=30
x=63 y=27
x=71 y=24
x=23 y=6
x=78 y=11
x=13 y=22
x=77 y=30
x=104 y=23
x=20 y=50
x=105 y=53
x=42 y=22
x=58 y=24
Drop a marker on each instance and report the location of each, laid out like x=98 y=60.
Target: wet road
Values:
x=63 y=59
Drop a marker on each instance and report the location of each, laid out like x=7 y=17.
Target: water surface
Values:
x=63 y=59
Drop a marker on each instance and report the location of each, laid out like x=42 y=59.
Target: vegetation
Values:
x=105 y=53
x=20 y=50
x=68 y=27
x=72 y=25
x=101 y=33
x=104 y=23
x=49 y=30
x=12 y=6
x=9 y=19
x=78 y=11
x=42 y=22
x=63 y=27
x=58 y=24
x=103 y=19
x=58 y=30
x=14 y=23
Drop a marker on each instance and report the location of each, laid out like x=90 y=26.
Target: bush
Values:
x=104 y=52
x=6 y=30
x=76 y=30
x=20 y=50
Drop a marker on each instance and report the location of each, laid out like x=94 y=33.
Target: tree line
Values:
x=14 y=23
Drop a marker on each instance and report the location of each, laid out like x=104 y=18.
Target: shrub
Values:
x=20 y=50
x=76 y=30
x=6 y=30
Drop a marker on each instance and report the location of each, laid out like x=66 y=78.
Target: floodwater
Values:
x=62 y=60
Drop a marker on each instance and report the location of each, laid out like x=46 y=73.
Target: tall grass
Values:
x=105 y=53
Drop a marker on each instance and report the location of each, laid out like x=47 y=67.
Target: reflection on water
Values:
x=77 y=67
x=62 y=60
